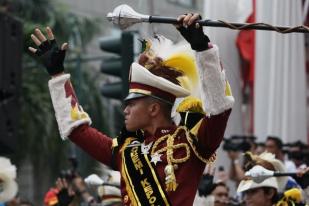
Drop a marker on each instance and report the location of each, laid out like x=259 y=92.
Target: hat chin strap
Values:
x=163 y=100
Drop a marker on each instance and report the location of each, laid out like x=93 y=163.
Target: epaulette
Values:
x=191 y=113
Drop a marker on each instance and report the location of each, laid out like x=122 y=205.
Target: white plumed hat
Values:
x=164 y=59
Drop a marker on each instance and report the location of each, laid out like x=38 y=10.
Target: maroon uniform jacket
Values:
x=188 y=174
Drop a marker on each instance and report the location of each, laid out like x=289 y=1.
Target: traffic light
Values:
x=10 y=81
x=125 y=48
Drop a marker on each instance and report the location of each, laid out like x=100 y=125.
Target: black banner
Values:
x=141 y=175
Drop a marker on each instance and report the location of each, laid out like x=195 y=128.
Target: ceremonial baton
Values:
x=124 y=16
x=258 y=174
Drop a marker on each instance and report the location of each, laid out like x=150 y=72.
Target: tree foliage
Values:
x=39 y=137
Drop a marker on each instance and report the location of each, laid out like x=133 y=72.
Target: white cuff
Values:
x=213 y=82
x=69 y=114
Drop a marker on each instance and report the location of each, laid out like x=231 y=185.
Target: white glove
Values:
x=94 y=180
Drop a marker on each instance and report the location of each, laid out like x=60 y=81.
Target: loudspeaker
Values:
x=10 y=81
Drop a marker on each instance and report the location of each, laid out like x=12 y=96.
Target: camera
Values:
x=238 y=143
x=71 y=173
x=297 y=151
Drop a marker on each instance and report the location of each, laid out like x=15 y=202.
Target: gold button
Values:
x=125 y=199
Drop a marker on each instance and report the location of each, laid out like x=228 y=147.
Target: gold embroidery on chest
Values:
x=170 y=178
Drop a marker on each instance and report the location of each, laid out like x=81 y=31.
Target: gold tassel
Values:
x=169 y=170
x=170 y=179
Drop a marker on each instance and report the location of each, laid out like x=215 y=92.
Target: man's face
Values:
x=296 y=155
x=136 y=114
x=221 y=194
x=260 y=149
x=256 y=197
x=271 y=147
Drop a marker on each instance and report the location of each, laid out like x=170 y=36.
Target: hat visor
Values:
x=134 y=95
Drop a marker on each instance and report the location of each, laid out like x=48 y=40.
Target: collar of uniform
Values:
x=161 y=131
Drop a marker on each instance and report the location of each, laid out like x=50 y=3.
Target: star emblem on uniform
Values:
x=145 y=148
x=156 y=158
x=164 y=131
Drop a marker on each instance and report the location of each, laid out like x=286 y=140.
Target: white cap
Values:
x=144 y=83
x=278 y=166
x=245 y=185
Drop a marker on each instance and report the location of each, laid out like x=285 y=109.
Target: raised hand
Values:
x=66 y=194
x=192 y=31
x=48 y=51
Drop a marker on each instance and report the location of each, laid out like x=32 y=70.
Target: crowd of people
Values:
x=246 y=156
x=68 y=190
x=213 y=190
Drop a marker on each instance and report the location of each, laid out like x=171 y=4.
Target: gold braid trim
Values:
x=157 y=181
x=210 y=160
x=170 y=178
x=126 y=177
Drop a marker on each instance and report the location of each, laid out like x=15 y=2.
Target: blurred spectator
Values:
x=274 y=145
x=110 y=195
x=259 y=194
x=4 y=5
x=298 y=152
x=8 y=185
x=221 y=193
x=241 y=143
x=260 y=148
x=218 y=196
x=81 y=190
x=236 y=170
x=303 y=179
x=108 y=190
x=235 y=146
x=25 y=203
x=268 y=161
x=257 y=191
x=13 y=202
x=210 y=193
x=50 y=197
x=68 y=192
x=266 y=192
x=222 y=175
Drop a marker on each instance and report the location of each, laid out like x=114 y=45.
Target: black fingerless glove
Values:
x=206 y=185
x=195 y=36
x=51 y=56
x=64 y=199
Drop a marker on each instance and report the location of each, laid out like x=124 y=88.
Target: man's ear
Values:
x=154 y=109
